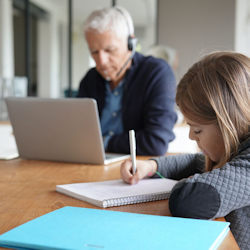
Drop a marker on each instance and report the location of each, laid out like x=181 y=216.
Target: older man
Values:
x=132 y=91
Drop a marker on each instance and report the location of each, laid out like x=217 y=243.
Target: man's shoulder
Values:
x=140 y=58
x=92 y=72
x=151 y=62
x=91 y=76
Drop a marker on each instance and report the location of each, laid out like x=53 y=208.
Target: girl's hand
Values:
x=143 y=169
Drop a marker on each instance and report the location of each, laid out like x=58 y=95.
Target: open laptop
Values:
x=66 y=129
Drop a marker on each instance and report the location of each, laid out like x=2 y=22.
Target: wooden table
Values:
x=27 y=190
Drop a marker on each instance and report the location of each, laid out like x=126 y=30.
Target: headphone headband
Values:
x=132 y=41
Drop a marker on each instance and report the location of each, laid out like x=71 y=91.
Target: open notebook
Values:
x=8 y=148
x=117 y=193
x=63 y=129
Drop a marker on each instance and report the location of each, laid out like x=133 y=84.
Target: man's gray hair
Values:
x=116 y=19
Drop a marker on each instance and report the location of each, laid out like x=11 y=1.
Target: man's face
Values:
x=109 y=52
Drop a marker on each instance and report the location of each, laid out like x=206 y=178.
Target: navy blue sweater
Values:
x=148 y=104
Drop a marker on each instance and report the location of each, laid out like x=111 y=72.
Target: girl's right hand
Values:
x=143 y=169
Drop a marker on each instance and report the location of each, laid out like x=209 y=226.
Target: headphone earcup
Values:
x=132 y=41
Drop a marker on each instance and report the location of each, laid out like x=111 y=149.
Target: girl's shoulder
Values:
x=242 y=158
x=245 y=146
x=237 y=168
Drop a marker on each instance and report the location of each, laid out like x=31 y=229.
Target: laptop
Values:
x=63 y=129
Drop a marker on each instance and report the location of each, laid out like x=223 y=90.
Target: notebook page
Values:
x=118 y=189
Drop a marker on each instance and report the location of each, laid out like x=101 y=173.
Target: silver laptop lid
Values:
x=66 y=129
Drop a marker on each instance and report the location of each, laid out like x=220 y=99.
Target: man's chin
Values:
x=107 y=78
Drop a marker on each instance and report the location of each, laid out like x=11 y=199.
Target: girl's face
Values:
x=208 y=138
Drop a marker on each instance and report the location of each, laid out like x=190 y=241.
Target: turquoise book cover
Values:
x=85 y=228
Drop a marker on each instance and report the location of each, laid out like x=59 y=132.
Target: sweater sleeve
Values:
x=180 y=166
x=213 y=194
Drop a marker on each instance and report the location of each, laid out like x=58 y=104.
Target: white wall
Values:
x=196 y=27
x=143 y=13
x=50 y=60
x=81 y=56
x=242 y=27
x=6 y=40
x=6 y=54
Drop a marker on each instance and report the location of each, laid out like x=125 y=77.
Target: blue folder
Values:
x=85 y=228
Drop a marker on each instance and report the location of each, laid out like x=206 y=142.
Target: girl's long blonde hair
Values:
x=217 y=90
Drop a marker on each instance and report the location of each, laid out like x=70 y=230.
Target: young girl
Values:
x=214 y=97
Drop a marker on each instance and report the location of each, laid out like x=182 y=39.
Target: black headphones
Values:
x=132 y=41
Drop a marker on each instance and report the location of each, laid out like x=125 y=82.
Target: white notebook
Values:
x=8 y=148
x=117 y=193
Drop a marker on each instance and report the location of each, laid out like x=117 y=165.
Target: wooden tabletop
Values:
x=27 y=190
